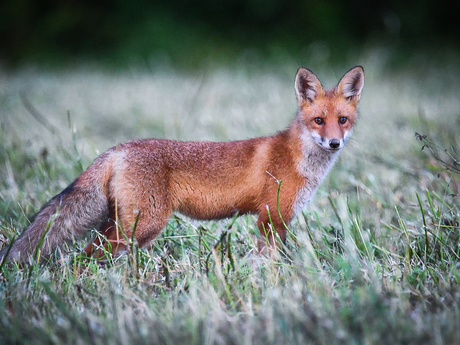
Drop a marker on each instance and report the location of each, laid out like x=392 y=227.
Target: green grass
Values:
x=373 y=260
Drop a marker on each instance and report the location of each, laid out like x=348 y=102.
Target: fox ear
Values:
x=307 y=86
x=351 y=84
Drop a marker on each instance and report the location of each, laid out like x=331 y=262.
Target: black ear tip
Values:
x=304 y=71
x=358 y=67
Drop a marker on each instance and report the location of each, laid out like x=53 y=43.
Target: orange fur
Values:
x=140 y=183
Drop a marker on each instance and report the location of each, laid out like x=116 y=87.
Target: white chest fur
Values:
x=314 y=166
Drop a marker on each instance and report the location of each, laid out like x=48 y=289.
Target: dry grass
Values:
x=374 y=259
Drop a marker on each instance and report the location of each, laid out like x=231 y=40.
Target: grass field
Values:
x=374 y=259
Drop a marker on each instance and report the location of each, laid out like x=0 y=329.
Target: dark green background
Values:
x=190 y=31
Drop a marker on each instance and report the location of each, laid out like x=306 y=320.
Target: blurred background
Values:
x=186 y=33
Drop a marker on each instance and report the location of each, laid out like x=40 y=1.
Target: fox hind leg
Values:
x=146 y=225
x=108 y=240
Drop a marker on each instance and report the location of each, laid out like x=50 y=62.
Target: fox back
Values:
x=134 y=187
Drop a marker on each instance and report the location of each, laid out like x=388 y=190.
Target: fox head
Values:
x=329 y=115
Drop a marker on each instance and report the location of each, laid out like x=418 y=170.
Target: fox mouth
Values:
x=332 y=149
x=328 y=148
x=330 y=145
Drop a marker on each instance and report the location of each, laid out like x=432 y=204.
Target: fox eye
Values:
x=319 y=121
x=343 y=120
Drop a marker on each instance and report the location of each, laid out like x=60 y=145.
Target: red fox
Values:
x=136 y=186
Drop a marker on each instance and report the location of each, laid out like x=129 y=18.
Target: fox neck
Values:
x=313 y=165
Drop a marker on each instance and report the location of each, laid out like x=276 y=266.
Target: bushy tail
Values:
x=79 y=207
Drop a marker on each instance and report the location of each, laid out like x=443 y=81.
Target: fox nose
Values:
x=334 y=143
